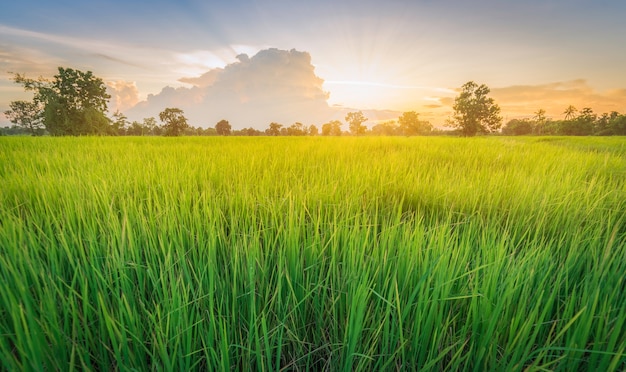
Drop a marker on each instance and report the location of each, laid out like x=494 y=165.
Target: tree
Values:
x=274 y=129
x=174 y=122
x=475 y=112
x=313 y=131
x=540 y=121
x=119 y=124
x=297 y=129
x=582 y=125
x=223 y=128
x=73 y=103
x=388 y=128
x=569 y=112
x=411 y=125
x=518 y=127
x=355 y=120
x=27 y=115
x=332 y=128
x=151 y=125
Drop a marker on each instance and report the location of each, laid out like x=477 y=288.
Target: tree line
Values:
x=75 y=103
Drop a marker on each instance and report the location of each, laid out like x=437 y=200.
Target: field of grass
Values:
x=313 y=254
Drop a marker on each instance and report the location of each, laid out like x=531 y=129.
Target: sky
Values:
x=253 y=62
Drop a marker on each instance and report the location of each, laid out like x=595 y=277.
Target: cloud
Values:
x=523 y=100
x=205 y=80
x=555 y=97
x=124 y=95
x=273 y=85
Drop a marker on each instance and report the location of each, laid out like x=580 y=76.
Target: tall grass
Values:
x=312 y=254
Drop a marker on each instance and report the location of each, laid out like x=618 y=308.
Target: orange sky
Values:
x=385 y=57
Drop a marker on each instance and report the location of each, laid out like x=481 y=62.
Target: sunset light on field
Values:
x=328 y=185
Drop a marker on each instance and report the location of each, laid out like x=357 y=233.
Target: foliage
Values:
x=26 y=115
x=174 y=121
x=332 y=128
x=387 y=128
x=518 y=127
x=410 y=124
x=297 y=129
x=274 y=129
x=355 y=121
x=474 y=111
x=341 y=253
x=223 y=128
x=73 y=103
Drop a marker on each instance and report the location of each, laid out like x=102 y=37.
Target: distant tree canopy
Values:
x=474 y=112
x=223 y=128
x=73 y=103
x=411 y=125
x=332 y=128
x=174 y=121
x=575 y=123
x=355 y=121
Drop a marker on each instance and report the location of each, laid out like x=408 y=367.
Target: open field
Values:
x=313 y=253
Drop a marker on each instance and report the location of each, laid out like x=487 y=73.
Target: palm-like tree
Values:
x=569 y=112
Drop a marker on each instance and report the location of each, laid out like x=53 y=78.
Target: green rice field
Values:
x=313 y=254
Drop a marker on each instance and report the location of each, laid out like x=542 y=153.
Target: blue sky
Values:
x=383 y=56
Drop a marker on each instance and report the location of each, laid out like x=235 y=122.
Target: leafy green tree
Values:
x=474 y=111
x=119 y=124
x=136 y=129
x=151 y=125
x=582 y=125
x=411 y=125
x=617 y=124
x=73 y=103
x=174 y=121
x=26 y=115
x=356 y=120
x=313 y=131
x=223 y=128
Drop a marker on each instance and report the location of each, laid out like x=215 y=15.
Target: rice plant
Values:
x=347 y=254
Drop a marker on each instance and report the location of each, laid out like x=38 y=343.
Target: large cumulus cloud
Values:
x=273 y=85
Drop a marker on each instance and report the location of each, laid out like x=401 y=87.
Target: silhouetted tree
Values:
x=569 y=112
x=356 y=120
x=582 y=125
x=297 y=129
x=332 y=128
x=388 y=128
x=174 y=122
x=274 y=129
x=539 y=121
x=223 y=128
x=518 y=127
x=411 y=125
x=474 y=112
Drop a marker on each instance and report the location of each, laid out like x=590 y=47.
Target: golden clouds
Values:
x=124 y=95
x=523 y=100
